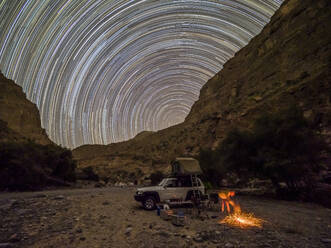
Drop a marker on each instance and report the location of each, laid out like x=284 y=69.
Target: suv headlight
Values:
x=139 y=192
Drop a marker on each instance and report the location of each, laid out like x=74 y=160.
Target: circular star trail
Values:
x=102 y=71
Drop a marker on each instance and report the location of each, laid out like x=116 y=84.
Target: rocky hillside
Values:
x=288 y=62
x=29 y=160
x=19 y=118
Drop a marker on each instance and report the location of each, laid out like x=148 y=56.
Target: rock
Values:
x=41 y=195
x=198 y=239
x=120 y=184
x=257 y=98
x=100 y=184
x=164 y=234
x=106 y=203
x=128 y=231
x=229 y=245
x=6 y=245
x=6 y=207
x=326 y=240
x=22 y=211
x=58 y=197
x=265 y=245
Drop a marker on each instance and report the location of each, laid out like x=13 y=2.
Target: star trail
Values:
x=102 y=71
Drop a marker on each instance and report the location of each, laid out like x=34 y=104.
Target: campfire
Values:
x=235 y=216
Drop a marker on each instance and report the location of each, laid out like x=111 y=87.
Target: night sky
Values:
x=102 y=71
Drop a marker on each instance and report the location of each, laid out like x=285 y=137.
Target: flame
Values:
x=227 y=201
x=237 y=218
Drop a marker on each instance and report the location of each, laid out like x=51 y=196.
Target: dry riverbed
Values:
x=109 y=217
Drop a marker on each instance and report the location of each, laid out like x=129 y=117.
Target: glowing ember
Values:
x=242 y=220
x=237 y=218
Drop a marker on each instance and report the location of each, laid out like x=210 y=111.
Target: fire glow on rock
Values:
x=236 y=217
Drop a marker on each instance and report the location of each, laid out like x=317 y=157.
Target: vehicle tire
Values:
x=149 y=203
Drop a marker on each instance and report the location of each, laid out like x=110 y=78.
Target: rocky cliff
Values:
x=29 y=160
x=288 y=62
x=20 y=119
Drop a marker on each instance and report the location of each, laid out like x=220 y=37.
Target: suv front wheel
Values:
x=149 y=203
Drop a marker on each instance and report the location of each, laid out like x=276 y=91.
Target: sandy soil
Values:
x=109 y=217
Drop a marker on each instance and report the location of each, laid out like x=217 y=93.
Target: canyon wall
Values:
x=287 y=63
x=20 y=119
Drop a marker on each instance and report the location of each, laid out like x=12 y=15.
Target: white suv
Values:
x=176 y=190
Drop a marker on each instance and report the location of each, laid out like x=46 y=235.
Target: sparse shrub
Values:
x=213 y=171
x=208 y=185
x=90 y=174
x=282 y=146
x=59 y=161
x=29 y=166
x=3 y=127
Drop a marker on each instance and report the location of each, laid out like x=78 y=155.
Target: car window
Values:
x=186 y=182
x=162 y=182
x=172 y=183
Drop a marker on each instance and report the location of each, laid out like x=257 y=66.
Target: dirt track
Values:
x=109 y=217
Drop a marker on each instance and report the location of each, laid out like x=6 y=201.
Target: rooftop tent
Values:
x=186 y=166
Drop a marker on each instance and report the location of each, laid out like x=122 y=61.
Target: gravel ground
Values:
x=109 y=217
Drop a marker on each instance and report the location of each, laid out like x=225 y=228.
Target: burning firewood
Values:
x=237 y=217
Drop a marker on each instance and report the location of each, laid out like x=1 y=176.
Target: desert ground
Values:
x=110 y=217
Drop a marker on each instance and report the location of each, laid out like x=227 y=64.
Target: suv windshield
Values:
x=163 y=182
x=168 y=182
